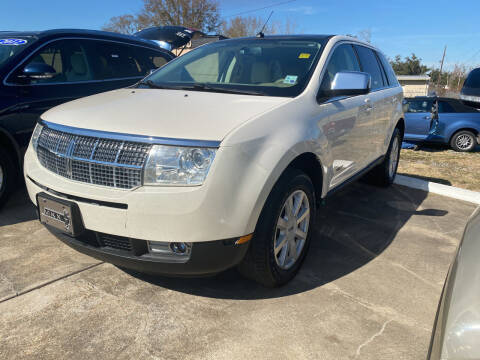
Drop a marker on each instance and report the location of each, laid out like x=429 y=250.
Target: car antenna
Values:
x=260 y=33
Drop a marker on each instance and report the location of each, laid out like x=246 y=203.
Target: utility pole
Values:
x=441 y=66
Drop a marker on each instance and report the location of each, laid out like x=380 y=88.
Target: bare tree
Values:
x=249 y=26
x=124 y=24
x=199 y=14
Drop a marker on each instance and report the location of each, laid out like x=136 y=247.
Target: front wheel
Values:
x=463 y=141
x=384 y=173
x=283 y=231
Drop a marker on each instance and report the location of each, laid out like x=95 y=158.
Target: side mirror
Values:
x=38 y=71
x=348 y=83
x=405 y=105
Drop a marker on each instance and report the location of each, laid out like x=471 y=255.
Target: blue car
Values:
x=442 y=120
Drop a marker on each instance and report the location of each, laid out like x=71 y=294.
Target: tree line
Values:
x=203 y=15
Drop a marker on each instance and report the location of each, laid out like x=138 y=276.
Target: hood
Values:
x=175 y=114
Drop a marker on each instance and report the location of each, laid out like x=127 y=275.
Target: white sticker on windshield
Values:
x=13 y=42
x=290 y=79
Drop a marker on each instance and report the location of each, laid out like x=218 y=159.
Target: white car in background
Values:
x=220 y=158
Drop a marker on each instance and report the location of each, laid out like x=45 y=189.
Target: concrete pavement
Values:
x=368 y=290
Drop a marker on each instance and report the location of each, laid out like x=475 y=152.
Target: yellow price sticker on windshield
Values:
x=304 y=56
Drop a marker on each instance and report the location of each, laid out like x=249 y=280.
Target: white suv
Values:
x=219 y=158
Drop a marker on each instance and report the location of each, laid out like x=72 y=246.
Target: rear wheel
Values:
x=7 y=175
x=384 y=173
x=283 y=232
x=463 y=141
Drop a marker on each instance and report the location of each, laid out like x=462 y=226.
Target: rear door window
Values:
x=392 y=78
x=370 y=65
x=113 y=60
x=445 y=107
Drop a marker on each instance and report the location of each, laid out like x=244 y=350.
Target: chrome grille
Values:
x=106 y=162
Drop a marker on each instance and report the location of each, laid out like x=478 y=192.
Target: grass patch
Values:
x=443 y=166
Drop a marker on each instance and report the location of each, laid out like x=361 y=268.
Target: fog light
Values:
x=170 y=251
x=178 y=248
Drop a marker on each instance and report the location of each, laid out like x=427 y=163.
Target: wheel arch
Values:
x=472 y=130
x=9 y=143
x=306 y=161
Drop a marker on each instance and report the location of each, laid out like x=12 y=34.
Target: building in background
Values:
x=414 y=85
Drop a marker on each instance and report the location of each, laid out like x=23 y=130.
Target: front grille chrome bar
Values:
x=94 y=160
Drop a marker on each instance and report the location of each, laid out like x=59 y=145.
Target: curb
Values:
x=445 y=190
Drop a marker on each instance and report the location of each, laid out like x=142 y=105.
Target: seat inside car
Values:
x=78 y=70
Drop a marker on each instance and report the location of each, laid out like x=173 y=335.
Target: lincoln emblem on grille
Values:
x=68 y=153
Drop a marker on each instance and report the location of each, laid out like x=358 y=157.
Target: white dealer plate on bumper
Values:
x=58 y=213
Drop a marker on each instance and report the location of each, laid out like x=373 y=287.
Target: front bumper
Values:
x=226 y=206
x=206 y=258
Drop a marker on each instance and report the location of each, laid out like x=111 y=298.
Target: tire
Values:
x=8 y=175
x=261 y=263
x=463 y=141
x=383 y=174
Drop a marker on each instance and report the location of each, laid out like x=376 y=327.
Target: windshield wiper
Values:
x=151 y=84
x=219 y=89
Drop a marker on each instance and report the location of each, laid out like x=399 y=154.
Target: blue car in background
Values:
x=442 y=120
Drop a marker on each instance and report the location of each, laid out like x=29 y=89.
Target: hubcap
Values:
x=292 y=229
x=394 y=154
x=464 y=142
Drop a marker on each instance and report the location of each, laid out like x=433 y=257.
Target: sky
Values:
x=422 y=27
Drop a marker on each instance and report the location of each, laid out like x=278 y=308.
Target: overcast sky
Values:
x=397 y=27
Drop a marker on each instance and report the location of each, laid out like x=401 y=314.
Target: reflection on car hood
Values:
x=164 y=113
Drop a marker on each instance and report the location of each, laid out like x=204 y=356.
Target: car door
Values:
x=418 y=118
x=344 y=120
x=73 y=79
x=83 y=67
x=378 y=99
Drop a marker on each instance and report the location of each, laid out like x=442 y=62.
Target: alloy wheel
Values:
x=291 y=230
x=394 y=155
x=464 y=142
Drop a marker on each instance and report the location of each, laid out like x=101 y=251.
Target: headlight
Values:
x=176 y=165
x=36 y=134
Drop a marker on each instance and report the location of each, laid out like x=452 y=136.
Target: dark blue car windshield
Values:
x=11 y=46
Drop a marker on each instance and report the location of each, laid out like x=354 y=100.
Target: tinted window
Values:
x=370 y=65
x=112 y=60
x=392 y=78
x=445 y=107
x=343 y=59
x=416 y=106
x=67 y=57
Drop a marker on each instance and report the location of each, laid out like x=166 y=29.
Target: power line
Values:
x=262 y=8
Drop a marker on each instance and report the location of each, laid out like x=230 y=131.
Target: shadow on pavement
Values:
x=353 y=227
x=18 y=209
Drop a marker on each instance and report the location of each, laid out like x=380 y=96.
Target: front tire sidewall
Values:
x=266 y=271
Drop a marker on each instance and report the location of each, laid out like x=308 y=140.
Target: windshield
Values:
x=11 y=46
x=261 y=66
